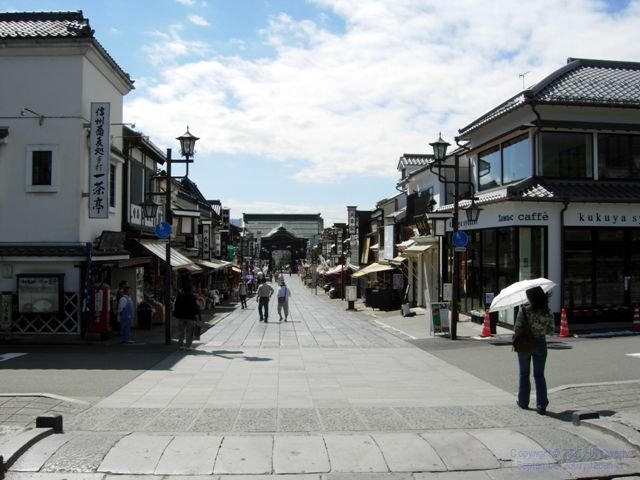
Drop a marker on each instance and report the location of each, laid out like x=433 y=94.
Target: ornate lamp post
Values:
x=187 y=147
x=440 y=153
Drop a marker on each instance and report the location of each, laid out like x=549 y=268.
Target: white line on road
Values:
x=8 y=356
x=637 y=355
x=388 y=327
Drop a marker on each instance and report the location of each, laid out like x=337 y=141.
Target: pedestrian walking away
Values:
x=263 y=295
x=242 y=291
x=283 y=295
x=125 y=313
x=540 y=320
x=187 y=312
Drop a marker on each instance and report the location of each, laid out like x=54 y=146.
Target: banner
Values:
x=99 y=164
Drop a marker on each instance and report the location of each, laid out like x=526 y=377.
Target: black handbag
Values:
x=523 y=341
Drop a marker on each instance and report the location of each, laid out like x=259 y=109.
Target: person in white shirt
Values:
x=283 y=295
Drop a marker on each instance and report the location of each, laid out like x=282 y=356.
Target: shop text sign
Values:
x=524 y=217
x=603 y=216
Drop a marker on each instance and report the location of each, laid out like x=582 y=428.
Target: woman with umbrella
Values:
x=540 y=320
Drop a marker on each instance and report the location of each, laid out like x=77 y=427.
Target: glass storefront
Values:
x=497 y=257
x=601 y=274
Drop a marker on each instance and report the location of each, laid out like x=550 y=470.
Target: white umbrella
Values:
x=515 y=294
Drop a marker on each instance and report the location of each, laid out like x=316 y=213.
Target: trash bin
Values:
x=145 y=312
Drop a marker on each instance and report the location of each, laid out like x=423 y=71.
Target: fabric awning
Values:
x=214 y=264
x=373 y=268
x=178 y=261
x=399 y=260
x=417 y=249
x=405 y=244
x=337 y=270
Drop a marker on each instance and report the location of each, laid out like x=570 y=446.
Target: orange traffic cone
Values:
x=636 y=320
x=486 y=325
x=564 y=325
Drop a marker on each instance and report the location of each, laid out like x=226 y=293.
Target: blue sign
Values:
x=460 y=239
x=163 y=230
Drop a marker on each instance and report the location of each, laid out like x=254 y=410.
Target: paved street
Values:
x=328 y=393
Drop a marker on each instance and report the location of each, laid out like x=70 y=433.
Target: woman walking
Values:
x=540 y=320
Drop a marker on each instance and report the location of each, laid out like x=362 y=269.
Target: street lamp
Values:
x=150 y=208
x=472 y=211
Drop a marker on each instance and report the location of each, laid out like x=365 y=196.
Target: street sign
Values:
x=163 y=230
x=460 y=239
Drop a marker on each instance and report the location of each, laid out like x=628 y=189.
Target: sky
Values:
x=306 y=106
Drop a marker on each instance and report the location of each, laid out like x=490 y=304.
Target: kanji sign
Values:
x=99 y=152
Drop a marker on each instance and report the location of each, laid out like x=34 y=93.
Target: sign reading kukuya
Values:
x=99 y=165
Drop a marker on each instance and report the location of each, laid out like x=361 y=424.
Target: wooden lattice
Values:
x=65 y=323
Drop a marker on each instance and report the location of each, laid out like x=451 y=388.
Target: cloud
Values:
x=198 y=20
x=350 y=103
x=170 y=47
x=186 y=2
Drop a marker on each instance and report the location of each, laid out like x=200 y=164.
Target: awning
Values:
x=236 y=269
x=405 y=244
x=398 y=215
x=214 y=264
x=417 y=249
x=375 y=246
x=399 y=260
x=178 y=261
x=337 y=270
x=373 y=268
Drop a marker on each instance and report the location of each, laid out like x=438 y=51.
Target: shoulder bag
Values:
x=523 y=341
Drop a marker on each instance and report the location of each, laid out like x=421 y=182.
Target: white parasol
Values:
x=515 y=294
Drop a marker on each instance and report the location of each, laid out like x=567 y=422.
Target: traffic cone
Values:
x=564 y=325
x=636 y=320
x=486 y=325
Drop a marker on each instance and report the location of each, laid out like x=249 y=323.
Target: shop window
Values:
x=489 y=261
x=609 y=265
x=137 y=183
x=566 y=155
x=489 y=169
x=618 y=156
x=507 y=266
x=505 y=163
x=516 y=160
x=41 y=169
x=112 y=186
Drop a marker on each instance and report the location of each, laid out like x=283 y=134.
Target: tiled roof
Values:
x=51 y=25
x=579 y=82
x=44 y=25
x=576 y=191
x=16 y=250
x=415 y=159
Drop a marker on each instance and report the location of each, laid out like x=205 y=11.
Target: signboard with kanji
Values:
x=99 y=164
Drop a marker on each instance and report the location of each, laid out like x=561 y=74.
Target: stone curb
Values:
x=13 y=448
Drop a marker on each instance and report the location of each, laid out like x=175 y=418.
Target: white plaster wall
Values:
x=60 y=87
x=68 y=269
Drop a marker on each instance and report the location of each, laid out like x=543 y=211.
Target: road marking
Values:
x=637 y=355
x=389 y=327
x=8 y=356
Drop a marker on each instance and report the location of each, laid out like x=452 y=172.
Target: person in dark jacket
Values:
x=187 y=311
x=540 y=320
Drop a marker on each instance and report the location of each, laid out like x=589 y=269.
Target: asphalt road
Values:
x=570 y=361
x=81 y=372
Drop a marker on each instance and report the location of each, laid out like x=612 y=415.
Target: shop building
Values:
x=556 y=171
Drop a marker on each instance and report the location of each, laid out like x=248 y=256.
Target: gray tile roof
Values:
x=21 y=26
x=580 y=82
x=44 y=25
x=415 y=159
x=576 y=191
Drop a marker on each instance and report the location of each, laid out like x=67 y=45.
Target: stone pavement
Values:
x=328 y=394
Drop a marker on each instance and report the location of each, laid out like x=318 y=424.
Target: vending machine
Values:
x=100 y=308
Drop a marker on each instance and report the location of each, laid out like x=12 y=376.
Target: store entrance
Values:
x=601 y=274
